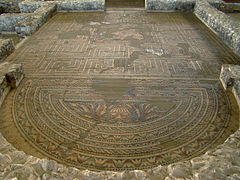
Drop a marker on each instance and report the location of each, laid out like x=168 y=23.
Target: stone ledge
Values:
x=65 y=5
x=224 y=26
x=35 y=20
x=8 y=21
x=175 y=5
x=4 y=88
x=35 y=13
x=12 y=72
x=6 y=48
x=10 y=77
x=170 y=5
x=230 y=78
x=9 y=6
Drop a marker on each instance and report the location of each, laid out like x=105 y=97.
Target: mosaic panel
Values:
x=122 y=90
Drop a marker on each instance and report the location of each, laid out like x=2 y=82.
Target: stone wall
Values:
x=6 y=48
x=170 y=5
x=8 y=21
x=33 y=22
x=7 y=6
x=176 y=5
x=230 y=78
x=10 y=77
x=66 y=5
x=35 y=13
x=225 y=27
x=32 y=17
x=89 y=5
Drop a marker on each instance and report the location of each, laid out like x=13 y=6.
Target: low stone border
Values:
x=224 y=26
x=8 y=21
x=65 y=5
x=35 y=13
x=34 y=21
x=10 y=77
x=175 y=5
x=6 y=48
x=230 y=78
x=170 y=5
x=7 y=6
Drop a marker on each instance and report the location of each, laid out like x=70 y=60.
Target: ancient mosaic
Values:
x=122 y=90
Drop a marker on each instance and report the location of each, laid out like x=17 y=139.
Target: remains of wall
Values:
x=35 y=13
x=8 y=21
x=33 y=22
x=225 y=27
x=170 y=5
x=6 y=48
x=7 y=6
x=175 y=5
x=10 y=77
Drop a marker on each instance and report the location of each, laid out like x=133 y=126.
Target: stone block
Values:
x=170 y=5
x=230 y=78
x=81 y=5
x=4 y=88
x=224 y=26
x=6 y=48
x=9 y=20
x=12 y=72
x=35 y=20
x=9 y=6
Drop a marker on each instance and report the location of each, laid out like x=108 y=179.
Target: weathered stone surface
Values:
x=89 y=5
x=34 y=14
x=29 y=6
x=226 y=28
x=13 y=73
x=32 y=23
x=179 y=170
x=230 y=78
x=8 y=21
x=170 y=5
x=4 y=88
x=9 y=6
x=6 y=48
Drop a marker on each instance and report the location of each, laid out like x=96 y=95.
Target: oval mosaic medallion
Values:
x=120 y=124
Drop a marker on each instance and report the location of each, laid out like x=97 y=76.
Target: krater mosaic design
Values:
x=122 y=90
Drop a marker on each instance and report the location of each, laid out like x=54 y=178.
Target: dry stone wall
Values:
x=225 y=27
x=9 y=6
x=10 y=77
x=9 y=21
x=34 y=21
x=170 y=5
x=35 y=13
x=6 y=48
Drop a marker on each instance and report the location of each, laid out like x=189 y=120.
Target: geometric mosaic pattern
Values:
x=122 y=90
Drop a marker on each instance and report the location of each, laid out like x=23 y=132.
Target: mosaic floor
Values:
x=120 y=90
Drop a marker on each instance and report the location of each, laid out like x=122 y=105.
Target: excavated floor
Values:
x=120 y=90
